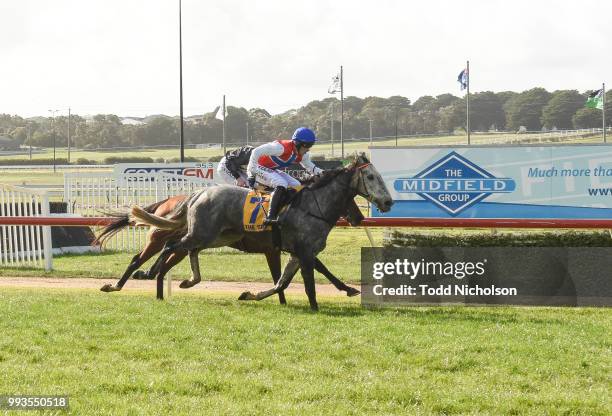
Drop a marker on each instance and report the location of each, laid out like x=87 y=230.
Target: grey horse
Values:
x=213 y=218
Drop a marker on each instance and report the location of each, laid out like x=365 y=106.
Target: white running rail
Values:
x=97 y=193
x=24 y=245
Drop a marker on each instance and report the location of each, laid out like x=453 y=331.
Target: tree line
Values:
x=534 y=109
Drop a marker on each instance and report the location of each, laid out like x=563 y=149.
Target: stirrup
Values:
x=270 y=221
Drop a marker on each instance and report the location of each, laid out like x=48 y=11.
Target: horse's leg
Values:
x=339 y=284
x=274 y=264
x=307 y=266
x=134 y=265
x=290 y=269
x=160 y=268
x=188 y=243
x=195 y=270
x=154 y=269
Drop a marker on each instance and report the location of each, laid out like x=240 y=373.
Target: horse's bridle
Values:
x=360 y=168
x=356 y=190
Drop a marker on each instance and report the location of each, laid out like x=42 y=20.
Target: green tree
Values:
x=486 y=111
x=587 y=118
x=525 y=109
x=561 y=108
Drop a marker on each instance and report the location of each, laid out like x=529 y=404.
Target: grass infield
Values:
x=211 y=354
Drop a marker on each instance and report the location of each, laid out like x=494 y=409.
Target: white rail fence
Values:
x=98 y=193
x=24 y=245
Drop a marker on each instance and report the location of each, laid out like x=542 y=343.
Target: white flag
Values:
x=219 y=113
x=335 y=85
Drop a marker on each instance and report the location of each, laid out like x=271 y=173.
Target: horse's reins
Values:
x=367 y=194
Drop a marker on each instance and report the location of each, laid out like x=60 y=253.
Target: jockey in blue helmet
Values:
x=267 y=159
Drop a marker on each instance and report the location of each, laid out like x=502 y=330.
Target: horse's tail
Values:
x=123 y=220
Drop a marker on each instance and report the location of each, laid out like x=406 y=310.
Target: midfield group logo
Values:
x=454 y=184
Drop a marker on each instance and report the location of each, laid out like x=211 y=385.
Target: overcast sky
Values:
x=121 y=56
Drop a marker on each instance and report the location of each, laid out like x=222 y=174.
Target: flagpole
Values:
x=468 y=101
x=603 y=114
x=332 y=127
x=224 y=124
x=342 y=110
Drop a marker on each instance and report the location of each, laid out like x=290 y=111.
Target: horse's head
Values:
x=368 y=183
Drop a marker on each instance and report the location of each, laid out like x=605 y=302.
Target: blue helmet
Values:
x=304 y=135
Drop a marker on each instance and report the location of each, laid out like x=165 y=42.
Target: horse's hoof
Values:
x=351 y=291
x=109 y=288
x=185 y=284
x=246 y=296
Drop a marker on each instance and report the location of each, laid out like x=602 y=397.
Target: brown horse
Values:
x=259 y=242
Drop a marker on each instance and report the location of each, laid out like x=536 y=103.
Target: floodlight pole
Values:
x=396 y=112
x=332 y=127
x=224 y=146
x=53 y=133
x=68 y=135
x=342 y=110
x=182 y=139
x=468 y=101
x=603 y=110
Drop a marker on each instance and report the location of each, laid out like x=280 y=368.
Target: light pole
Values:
x=182 y=140
x=370 y=132
x=397 y=107
x=53 y=134
x=396 y=111
x=68 y=135
x=28 y=131
x=331 y=119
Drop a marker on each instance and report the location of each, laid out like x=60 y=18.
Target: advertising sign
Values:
x=555 y=181
x=205 y=170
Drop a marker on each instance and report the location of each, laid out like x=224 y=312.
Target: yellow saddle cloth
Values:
x=256 y=206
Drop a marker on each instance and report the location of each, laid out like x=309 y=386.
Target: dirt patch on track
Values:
x=149 y=285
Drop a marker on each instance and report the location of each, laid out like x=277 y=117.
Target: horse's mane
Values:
x=327 y=176
x=324 y=178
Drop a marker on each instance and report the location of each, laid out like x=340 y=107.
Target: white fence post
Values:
x=47 y=242
x=24 y=245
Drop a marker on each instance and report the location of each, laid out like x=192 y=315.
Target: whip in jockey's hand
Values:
x=267 y=159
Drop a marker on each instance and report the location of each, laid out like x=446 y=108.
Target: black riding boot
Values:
x=277 y=197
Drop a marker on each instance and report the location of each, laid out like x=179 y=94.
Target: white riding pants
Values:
x=274 y=178
x=225 y=175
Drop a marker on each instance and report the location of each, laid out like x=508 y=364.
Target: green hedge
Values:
x=111 y=160
x=395 y=238
x=12 y=162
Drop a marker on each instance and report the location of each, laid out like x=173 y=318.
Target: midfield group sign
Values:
x=557 y=181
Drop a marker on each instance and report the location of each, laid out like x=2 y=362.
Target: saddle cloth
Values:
x=256 y=206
